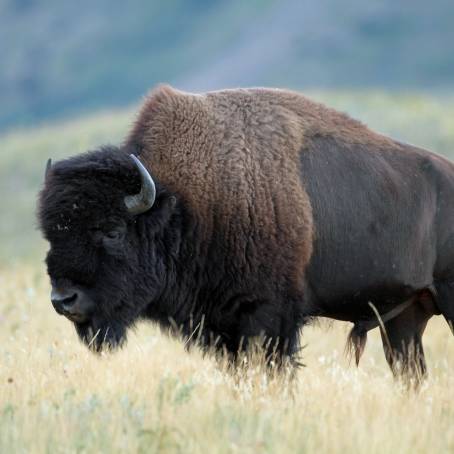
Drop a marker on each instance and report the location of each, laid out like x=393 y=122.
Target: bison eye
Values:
x=113 y=241
x=114 y=235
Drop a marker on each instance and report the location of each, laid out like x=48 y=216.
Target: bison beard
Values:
x=255 y=211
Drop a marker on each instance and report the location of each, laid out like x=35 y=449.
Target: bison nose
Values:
x=73 y=304
x=63 y=300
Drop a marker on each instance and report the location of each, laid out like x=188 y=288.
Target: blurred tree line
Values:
x=58 y=58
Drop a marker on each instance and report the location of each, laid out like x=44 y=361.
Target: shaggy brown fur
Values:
x=241 y=188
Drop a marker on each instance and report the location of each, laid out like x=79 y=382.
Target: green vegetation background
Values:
x=60 y=58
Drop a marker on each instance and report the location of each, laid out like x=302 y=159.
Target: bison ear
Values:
x=144 y=200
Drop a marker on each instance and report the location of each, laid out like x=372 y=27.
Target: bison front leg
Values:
x=267 y=325
x=402 y=342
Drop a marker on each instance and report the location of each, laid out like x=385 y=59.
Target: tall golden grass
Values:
x=153 y=396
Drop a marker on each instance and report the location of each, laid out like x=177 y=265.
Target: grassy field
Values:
x=153 y=396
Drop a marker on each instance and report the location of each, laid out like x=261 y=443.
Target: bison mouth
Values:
x=100 y=337
x=76 y=318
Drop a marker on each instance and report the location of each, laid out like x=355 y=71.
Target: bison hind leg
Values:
x=356 y=342
x=402 y=341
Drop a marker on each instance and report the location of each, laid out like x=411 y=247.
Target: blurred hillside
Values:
x=60 y=58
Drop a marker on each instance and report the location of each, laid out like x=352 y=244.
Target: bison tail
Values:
x=356 y=342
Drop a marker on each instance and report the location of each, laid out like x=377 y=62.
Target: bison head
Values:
x=103 y=217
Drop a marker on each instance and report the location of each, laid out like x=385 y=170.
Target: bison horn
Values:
x=143 y=201
x=48 y=166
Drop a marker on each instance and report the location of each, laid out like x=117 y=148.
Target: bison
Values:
x=242 y=213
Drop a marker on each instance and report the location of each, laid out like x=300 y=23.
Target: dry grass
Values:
x=152 y=396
